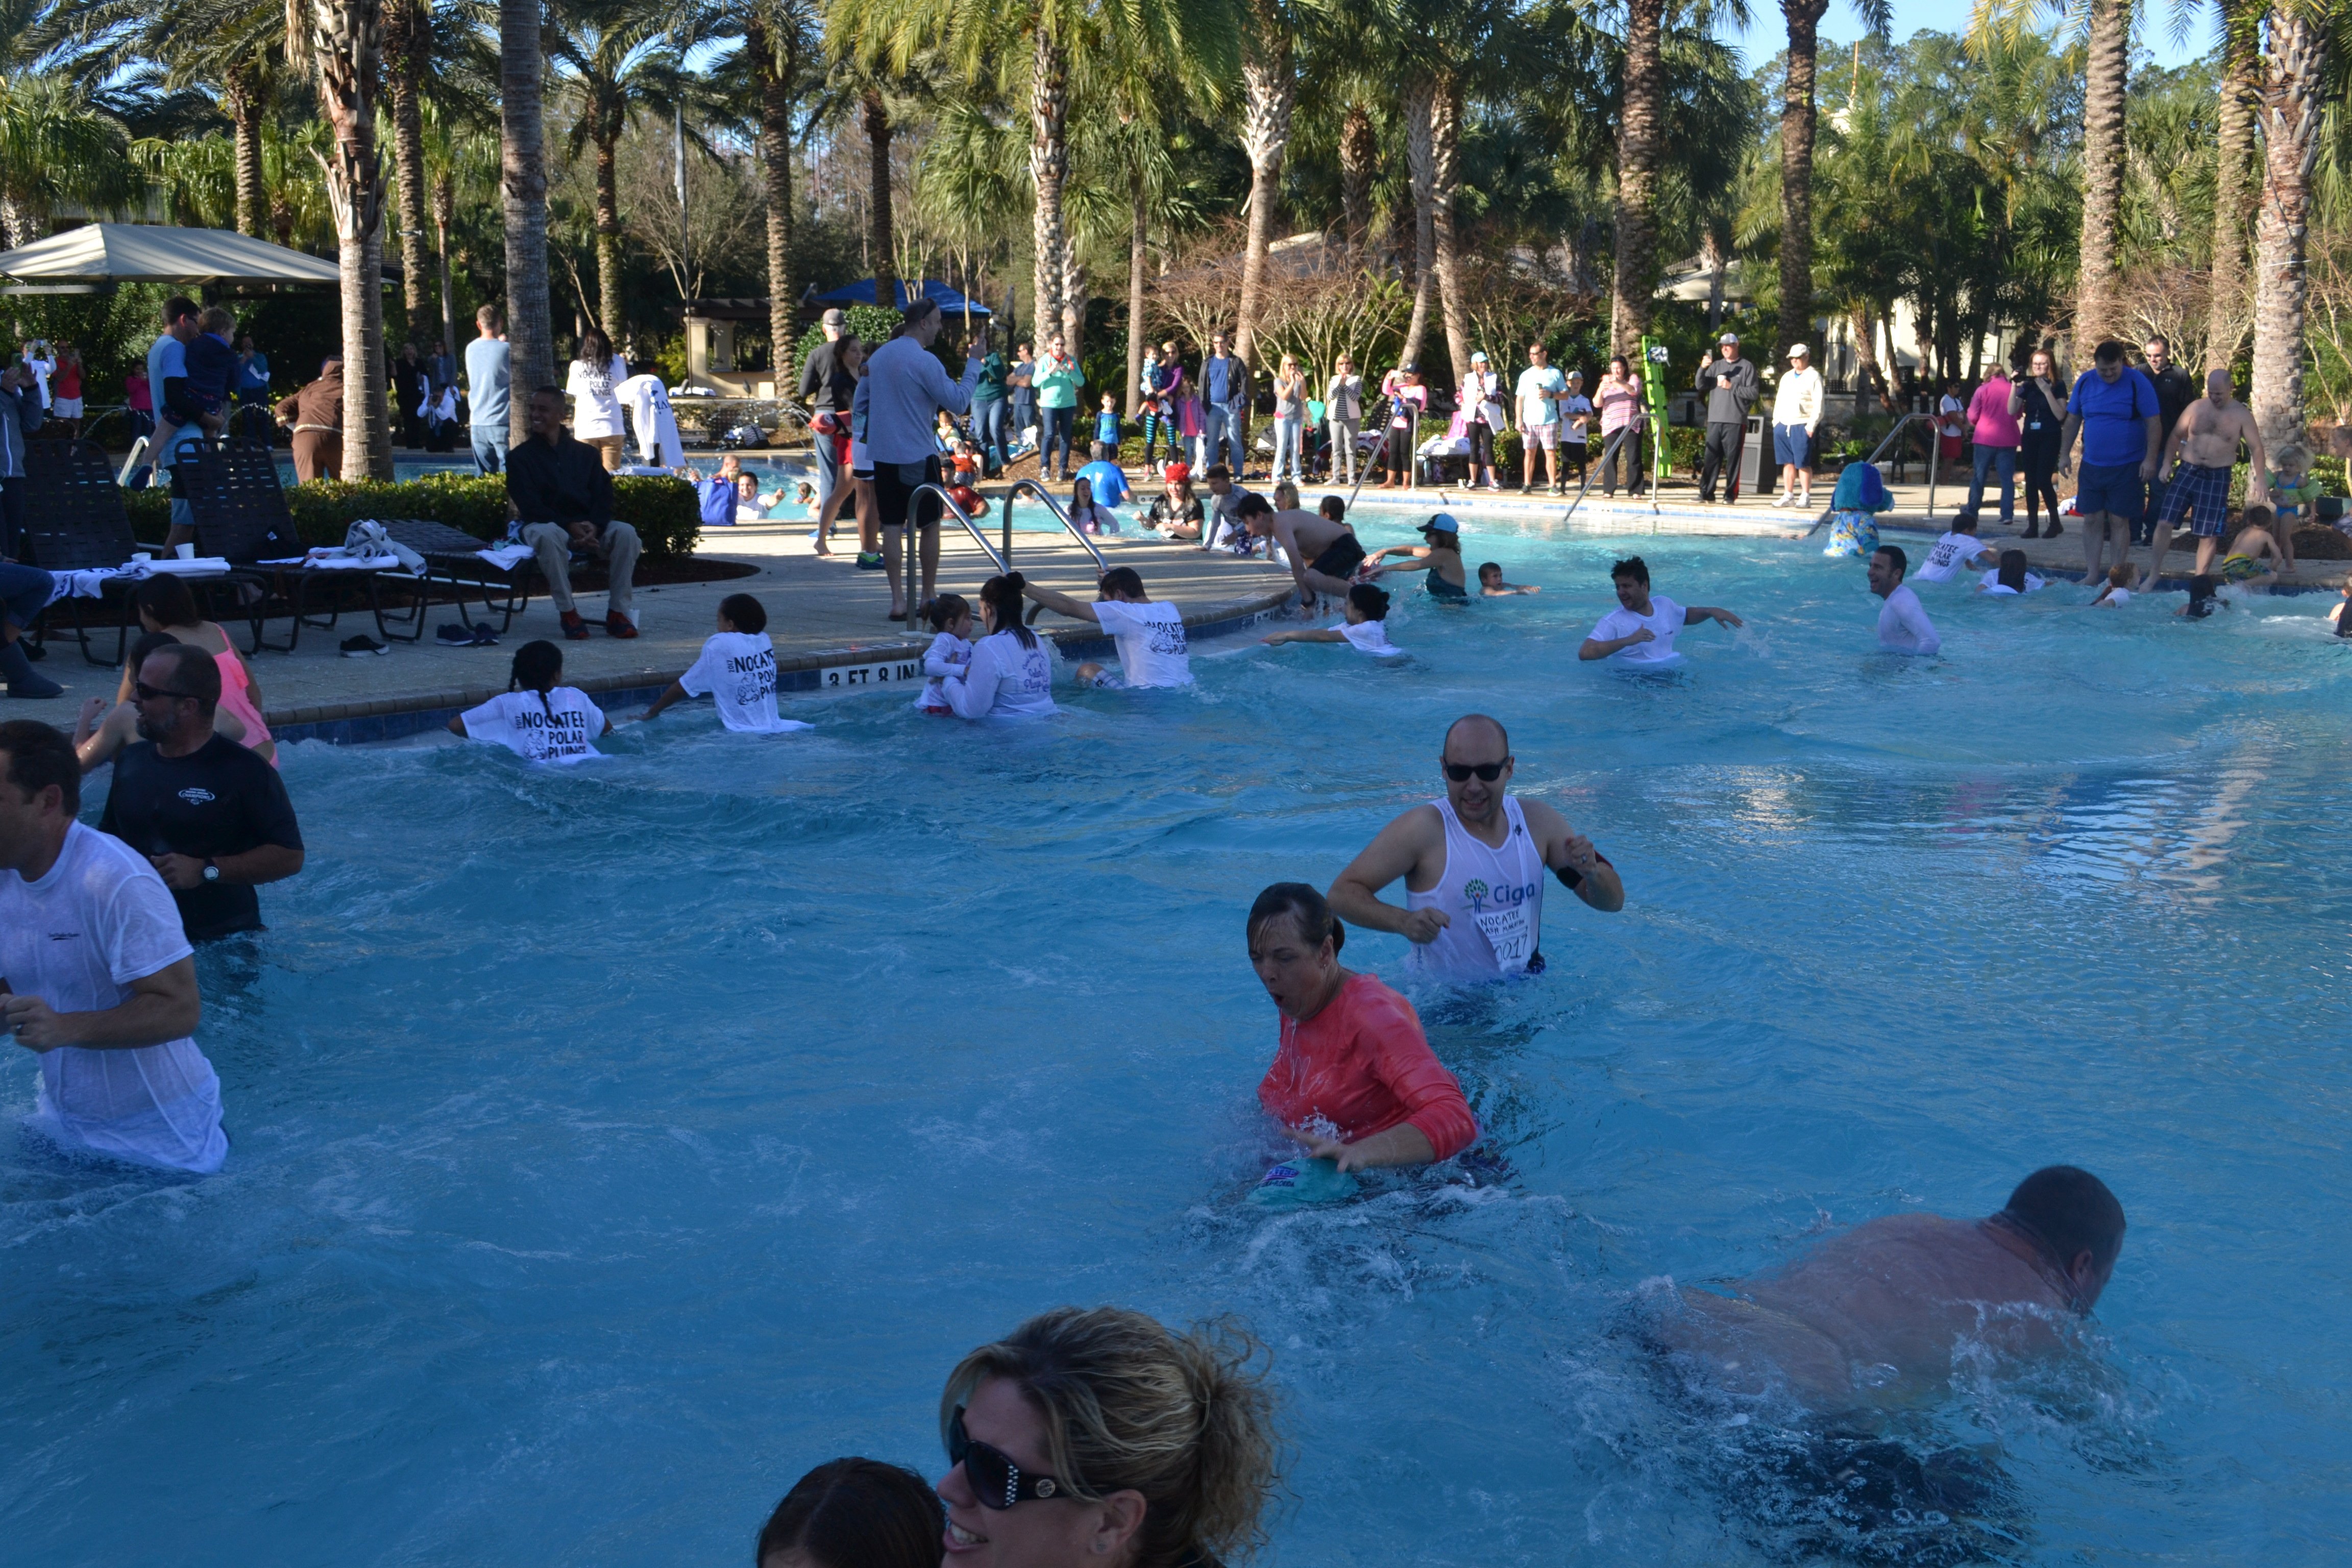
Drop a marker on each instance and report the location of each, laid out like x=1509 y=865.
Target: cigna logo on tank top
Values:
x=1509 y=897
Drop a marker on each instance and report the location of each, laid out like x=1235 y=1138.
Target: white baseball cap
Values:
x=1798 y=351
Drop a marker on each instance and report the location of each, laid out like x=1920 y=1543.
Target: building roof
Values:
x=98 y=254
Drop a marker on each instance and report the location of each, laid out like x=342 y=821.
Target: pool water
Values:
x=610 y=1144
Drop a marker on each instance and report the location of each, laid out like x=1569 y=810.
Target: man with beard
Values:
x=210 y=816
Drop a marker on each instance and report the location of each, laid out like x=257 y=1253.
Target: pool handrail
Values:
x=1880 y=451
x=1034 y=488
x=948 y=503
x=1364 y=468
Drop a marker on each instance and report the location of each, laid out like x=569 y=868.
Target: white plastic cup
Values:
x=141 y=558
x=186 y=552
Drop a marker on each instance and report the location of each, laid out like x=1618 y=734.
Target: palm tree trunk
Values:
x=408 y=47
x=2291 y=111
x=1711 y=255
x=347 y=37
x=1140 y=217
x=1270 y=88
x=608 y=239
x=15 y=225
x=2106 y=75
x=1639 y=126
x=1796 y=126
x=1421 y=163
x=523 y=187
x=878 y=237
x=1445 y=181
x=444 y=212
x=1049 y=170
x=2225 y=316
x=775 y=78
x=1868 y=379
x=243 y=89
x=1074 y=301
x=1359 y=151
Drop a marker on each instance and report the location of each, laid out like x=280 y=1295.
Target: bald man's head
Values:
x=1479 y=726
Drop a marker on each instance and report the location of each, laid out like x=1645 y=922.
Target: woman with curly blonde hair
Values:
x=1100 y=1439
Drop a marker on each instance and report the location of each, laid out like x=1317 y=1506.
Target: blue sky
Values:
x=1766 y=32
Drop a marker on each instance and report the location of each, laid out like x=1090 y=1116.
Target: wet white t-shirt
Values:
x=738 y=670
x=76 y=938
x=560 y=730
x=1003 y=679
x=1991 y=580
x=1152 y=649
x=2117 y=596
x=947 y=654
x=1664 y=621
x=1949 y=555
x=1369 y=637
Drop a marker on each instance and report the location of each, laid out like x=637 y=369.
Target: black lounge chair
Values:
x=450 y=562
x=239 y=505
x=75 y=520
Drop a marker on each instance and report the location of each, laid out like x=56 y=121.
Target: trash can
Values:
x=1754 y=455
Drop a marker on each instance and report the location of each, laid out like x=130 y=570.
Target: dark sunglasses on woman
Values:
x=995 y=1479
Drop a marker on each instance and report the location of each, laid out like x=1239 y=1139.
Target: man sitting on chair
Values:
x=562 y=497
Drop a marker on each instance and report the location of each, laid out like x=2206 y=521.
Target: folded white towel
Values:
x=505 y=556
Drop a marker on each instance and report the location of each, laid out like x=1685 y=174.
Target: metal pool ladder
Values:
x=1000 y=558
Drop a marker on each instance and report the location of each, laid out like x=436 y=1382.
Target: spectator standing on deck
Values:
x=315 y=413
x=2176 y=389
x=827 y=386
x=593 y=384
x=20 y=416
x=490 y=369
x=1058 y=376
x=1619 y=397
x=563 y=498
x=2114 y=407
x=65 y=405
x=905 y=390
x=1997 y=436
x=97 y=978
x=1343 y=407
x=1728 y=385
x=2039 y=406
x=991 y=408
x=1224 y=384
x=1796 y=413
x=211 y=816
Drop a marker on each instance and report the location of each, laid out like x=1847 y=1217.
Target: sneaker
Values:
x=363 y=648
x=483 y=636
x=452 y=635
x=1787 y=499
x=619 y=625
x=574 y=627
x=868 y=561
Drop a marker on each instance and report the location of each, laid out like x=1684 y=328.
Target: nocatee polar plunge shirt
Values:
x=557 y=728
x=1363 y=1066
x=77 y=937
x=738 y=671
x=1152 y=649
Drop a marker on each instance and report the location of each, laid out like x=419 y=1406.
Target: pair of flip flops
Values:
x=478 y=635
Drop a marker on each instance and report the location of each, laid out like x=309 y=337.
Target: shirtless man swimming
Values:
x=1323 y=552
x=1871 y=1317
x=1473 y=865
x=2196 y=472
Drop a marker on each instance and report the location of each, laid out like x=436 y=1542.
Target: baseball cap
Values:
x=837 y=317
x=1442 y=523
x=1796 y=350
x=1728 y=338
x=1478 y=358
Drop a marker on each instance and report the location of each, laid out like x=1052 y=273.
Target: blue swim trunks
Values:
x=2114 y=490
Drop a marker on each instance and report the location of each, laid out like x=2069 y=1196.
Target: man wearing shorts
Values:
x=1323 y=552
x=2115 y=406
x=905 y=389
x=2203 y=452
x=1539 y=393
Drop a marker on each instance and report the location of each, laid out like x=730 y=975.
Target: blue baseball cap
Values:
x=1442 y=523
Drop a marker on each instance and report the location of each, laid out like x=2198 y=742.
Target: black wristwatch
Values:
x=211 y=872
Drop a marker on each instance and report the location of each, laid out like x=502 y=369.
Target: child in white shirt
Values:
x=950 y=650
x=1365 y=628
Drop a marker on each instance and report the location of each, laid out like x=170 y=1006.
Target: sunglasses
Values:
x=995 y=1479
x=1460 y=772
x=146 y=693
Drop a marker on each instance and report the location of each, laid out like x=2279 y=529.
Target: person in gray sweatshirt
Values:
x=1728 y=385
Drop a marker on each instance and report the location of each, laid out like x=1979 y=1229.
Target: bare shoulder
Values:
x=1545 y=822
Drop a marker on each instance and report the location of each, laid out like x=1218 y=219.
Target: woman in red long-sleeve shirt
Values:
x=1354 y=1079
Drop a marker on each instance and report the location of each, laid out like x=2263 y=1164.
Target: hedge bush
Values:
x=664 y=511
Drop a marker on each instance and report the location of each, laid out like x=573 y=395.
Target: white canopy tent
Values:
x=99 y=256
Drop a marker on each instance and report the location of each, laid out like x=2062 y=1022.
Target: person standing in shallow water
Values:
x=1473 y=862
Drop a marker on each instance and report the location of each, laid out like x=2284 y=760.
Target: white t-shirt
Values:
x=1368 y=637
x=739 y=670
x=2117 y=596
x=1573 y=404
x=656 y=426
x=1903 y=625
x=1664 y=621
x=76 y=938
x=559 y=731
x=1948 y=555
x=1991 y=580
x=1003 y=679
x=1152 y=648
x=595 y=400
x=948 y=655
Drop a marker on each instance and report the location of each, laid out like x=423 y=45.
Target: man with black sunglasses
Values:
x=1473 y=865
x=210 y=816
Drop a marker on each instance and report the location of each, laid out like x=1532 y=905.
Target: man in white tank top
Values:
x=1473 y=865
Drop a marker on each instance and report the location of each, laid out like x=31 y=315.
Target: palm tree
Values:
x=2225 y=324
x=1798 y=122
x=522 y=184
x=235 y=47
x=55 y=146
x=1270 y=85
x=1641 y=125
x=780 y=42
x=347 y=40
x=614 y=57
x=2295 y=99
x=408 y=58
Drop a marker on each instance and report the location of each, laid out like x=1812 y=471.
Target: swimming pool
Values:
x=611 y=1144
